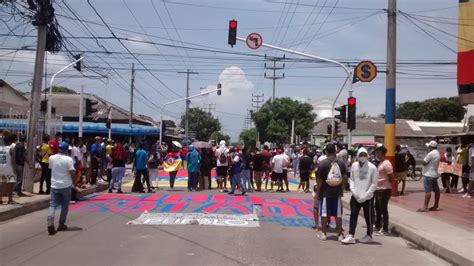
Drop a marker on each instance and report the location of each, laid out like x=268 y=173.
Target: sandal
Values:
x=422 y=210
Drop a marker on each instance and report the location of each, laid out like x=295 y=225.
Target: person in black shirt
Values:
x=20 y=159
x=258 y=168
x=400 y=167
x=305 y=167
x=330 y=194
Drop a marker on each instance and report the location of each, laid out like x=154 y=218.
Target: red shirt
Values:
x=54 y=145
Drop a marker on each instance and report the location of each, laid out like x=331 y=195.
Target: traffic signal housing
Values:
x=108 y=123
x=219 y=89
x=232 y=32
x=89 y=110
x=351 y=113
x=342 y=116
x=337 y=129
x=78 y=65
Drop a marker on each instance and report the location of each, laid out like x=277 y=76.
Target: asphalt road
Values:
x=107 y=239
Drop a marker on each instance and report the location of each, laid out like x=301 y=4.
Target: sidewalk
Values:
x=448 y=233
x=35 y=202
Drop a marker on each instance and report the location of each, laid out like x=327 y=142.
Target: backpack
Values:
x=119 y=153
x=222 y=158
x=334 y=178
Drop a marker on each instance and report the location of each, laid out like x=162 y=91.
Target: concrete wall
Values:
x=9 y=96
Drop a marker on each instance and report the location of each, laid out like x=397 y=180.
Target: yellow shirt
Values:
x=108 y=149
x=45 y=153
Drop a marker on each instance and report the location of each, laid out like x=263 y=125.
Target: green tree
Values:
x=436 y=109
x=201 y=122
x=249 y=137
x=61 y=89
x=273 y=120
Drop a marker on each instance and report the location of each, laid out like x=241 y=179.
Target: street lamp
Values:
x=183 y=99
x=50 y=96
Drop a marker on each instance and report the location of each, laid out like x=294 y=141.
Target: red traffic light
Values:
x=232 y=24
x=351 y=101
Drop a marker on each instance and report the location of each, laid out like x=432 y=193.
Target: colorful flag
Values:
x=172 y=162
x=466 y=52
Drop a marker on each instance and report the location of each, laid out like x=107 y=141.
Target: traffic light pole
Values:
x=81 y=112
x=50 y=96
x=180 y=100
x=349 y=131
x=348 y=72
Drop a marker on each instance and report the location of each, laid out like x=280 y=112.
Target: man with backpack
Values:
x=119 y=157
x=331 y=179
x=222 y=166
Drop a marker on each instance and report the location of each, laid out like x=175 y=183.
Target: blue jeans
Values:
x=192 y=180
x=236 y=180
x=19 y=178
x=59 y=197
x=117 y=175
x=246 y=179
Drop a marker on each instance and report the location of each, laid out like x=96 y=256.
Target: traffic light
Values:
x=219 y=89
x=232 y=32
x=89 y=104
x=342 y=113
x=78 y=65
x=44 y=106
x=337 y=128
x=351 y=113
x=107 y=123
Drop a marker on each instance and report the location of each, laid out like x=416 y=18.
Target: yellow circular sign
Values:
x=366 y=71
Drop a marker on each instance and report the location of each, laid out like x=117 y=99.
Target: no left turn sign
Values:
x=254 y=40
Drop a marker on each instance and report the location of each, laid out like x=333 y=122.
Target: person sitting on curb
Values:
x=362 y=183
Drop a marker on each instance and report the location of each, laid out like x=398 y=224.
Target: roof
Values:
x=19 y=94
x=405 y=128
x=67 y=105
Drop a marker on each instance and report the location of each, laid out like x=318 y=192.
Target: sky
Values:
x=170 y=36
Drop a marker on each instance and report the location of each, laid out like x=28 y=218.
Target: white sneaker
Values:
x=465 y=195
x=349 y=240
x=461 y=190
x=381 y=233
x=469 y=196
x=340 y=237
x=322 y=236
x=366 y=239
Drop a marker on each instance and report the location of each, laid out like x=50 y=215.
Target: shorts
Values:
x=221 y=171
x=276 y=176
x=401 y=175
x=304 y=176
x=430 y=184
x=330 y=207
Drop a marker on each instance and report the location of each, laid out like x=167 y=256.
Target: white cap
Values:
x=177 y=144
x=362 y=150
x=432 y=144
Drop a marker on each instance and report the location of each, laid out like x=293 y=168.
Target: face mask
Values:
x=362 y=159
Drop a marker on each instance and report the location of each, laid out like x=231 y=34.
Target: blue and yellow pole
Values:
x=390 y=97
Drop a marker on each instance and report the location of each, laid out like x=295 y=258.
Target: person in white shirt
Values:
x=279 y=162
x=77 y=156
x=222 y=166
x=362 y=183
x=62 y=181
x=430 y=176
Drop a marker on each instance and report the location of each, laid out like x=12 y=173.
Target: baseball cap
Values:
x=64 y=146
x=432 y=143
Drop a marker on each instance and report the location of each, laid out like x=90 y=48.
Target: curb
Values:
x=430 y=246
x=42 y=204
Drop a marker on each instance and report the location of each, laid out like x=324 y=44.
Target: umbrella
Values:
x=202 y=145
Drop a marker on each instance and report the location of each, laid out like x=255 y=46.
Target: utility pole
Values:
x=42 y=20
x=81 y=111
x=274 y=77
x=186 y=115
x=390 y=96
x=132 y=85
x=257 y=99
x=210 y=107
